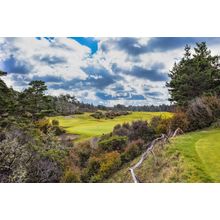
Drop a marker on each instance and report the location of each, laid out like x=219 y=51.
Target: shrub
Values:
x=179 y=120
x=141 y=130
x=132 y=150
x=216 y=124
x=110 y=162
x=58 y=130
x=55 y=122
x=164 y=126
x=83 y=152
x=43 y=124
x=155 y=122
x=98 y=115
x=44 y=170
x=135 y=130
x=203 y=111
x=91 y=169
x=71 y=176
x=113 y=143
x=113 y=114
x=101 y=167
x=121 y=130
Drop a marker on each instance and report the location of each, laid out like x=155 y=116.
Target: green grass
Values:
x=87 y=126
x=193 y=157
x=208 y=149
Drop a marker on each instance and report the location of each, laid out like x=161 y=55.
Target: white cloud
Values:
x=35 y=52
x=66 y=58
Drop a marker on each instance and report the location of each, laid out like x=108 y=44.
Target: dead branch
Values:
x=177 y=132
x=164 y=139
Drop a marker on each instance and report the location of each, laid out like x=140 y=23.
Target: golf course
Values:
x=86 y=126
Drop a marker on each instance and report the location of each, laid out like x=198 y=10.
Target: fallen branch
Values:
x=177 y=132
x=164 y=138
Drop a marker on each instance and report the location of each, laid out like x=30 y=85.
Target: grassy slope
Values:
x=193 y=157
x=87 y=126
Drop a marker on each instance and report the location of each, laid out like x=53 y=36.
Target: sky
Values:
x=106 y=71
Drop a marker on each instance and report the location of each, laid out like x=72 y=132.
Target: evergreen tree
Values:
x=33 y=100
x=195 y=75
x=7 y=97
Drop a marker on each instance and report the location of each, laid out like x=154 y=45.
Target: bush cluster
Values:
x=114 y=143
x=126 y=142
x=133 y=149
x=199 y=113
x=29 y=155
x=136 y=130
x=101 y=167
x=203 y=111
x=46 y=126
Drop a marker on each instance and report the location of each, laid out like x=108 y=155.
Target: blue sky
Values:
x=130 y=71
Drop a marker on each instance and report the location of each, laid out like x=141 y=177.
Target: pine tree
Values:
x=7 y=97
x=33 y=100
x=195 y=75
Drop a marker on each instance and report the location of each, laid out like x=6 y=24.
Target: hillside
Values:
x=87 y=126
x=193 y=157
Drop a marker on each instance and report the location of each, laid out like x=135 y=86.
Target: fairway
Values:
x=208 y=149
x=201 y=151
x=87 y=126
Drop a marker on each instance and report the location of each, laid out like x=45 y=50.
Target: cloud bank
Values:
x=130 y=71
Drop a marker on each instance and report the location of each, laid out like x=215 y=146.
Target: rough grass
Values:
x=193 y=157
x=87 y=126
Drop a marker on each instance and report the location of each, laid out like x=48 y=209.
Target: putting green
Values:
x=87 y=126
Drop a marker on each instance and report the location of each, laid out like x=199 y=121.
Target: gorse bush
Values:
x=43 y=124
x=163 y=126
x=109 y=163
x=102 y=167
x=155 y=122
x=46 y=126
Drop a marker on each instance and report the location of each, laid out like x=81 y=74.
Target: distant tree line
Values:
x=145 y=108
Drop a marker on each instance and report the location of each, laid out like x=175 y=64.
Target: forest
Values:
x=58 y=139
